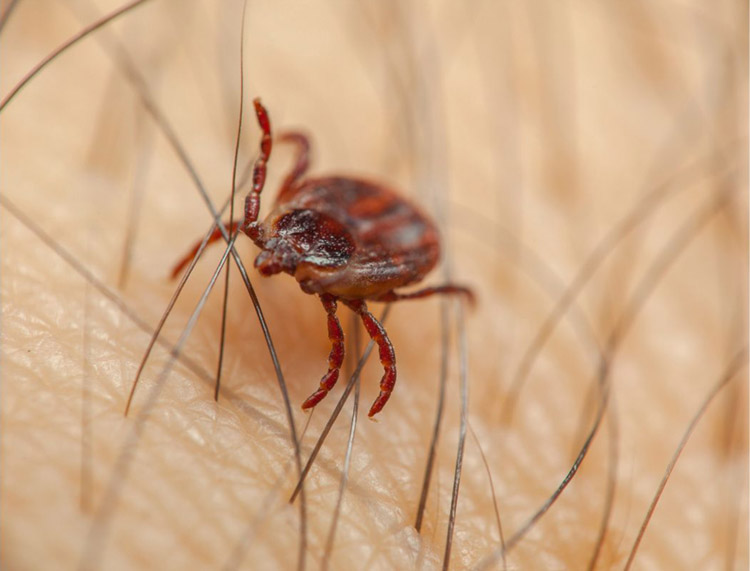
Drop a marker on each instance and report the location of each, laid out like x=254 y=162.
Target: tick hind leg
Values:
x=335 y=358
x=387 y=356
x=447 y=289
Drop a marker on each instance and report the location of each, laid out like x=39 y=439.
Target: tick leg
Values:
x=252 y=200
x=336 y=356
x=300 y=164
x=448 y=289
x=214 y=237
x=387 y=355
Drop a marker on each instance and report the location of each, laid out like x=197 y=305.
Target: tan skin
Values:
x=207 y=483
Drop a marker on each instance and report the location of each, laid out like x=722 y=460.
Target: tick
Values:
x=343 y=239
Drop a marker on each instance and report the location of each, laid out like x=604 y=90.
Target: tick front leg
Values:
x=252 y=200
x=387 y=356
x=335 y=358
x=214 y=237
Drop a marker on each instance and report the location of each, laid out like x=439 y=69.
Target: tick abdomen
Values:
x=395 y=244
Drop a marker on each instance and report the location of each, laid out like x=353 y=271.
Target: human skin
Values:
x=525 y=182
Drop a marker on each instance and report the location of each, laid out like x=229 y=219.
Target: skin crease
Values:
x=546 y=122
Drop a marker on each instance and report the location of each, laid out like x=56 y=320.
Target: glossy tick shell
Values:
x=347 y=237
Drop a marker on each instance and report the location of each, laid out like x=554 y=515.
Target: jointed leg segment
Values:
x=387 y=356
x=376 y=331
x=214 y=237
x=252 y=200
x=336 y=356
x=447 y=289
x=301 y=163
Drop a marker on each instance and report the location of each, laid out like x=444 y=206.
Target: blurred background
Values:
x=587 y=166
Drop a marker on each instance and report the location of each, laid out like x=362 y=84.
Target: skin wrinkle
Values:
x=204 y=471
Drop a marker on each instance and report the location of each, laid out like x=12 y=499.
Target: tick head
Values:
x=304 y=235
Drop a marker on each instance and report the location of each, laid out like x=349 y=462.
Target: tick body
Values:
x=343 y=239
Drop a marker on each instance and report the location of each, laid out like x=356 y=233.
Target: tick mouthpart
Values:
x=267 y=263
x=277 y=260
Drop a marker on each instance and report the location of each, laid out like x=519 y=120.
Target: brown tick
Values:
x=344 y=239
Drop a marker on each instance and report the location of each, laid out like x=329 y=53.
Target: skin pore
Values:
x=545 y=139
